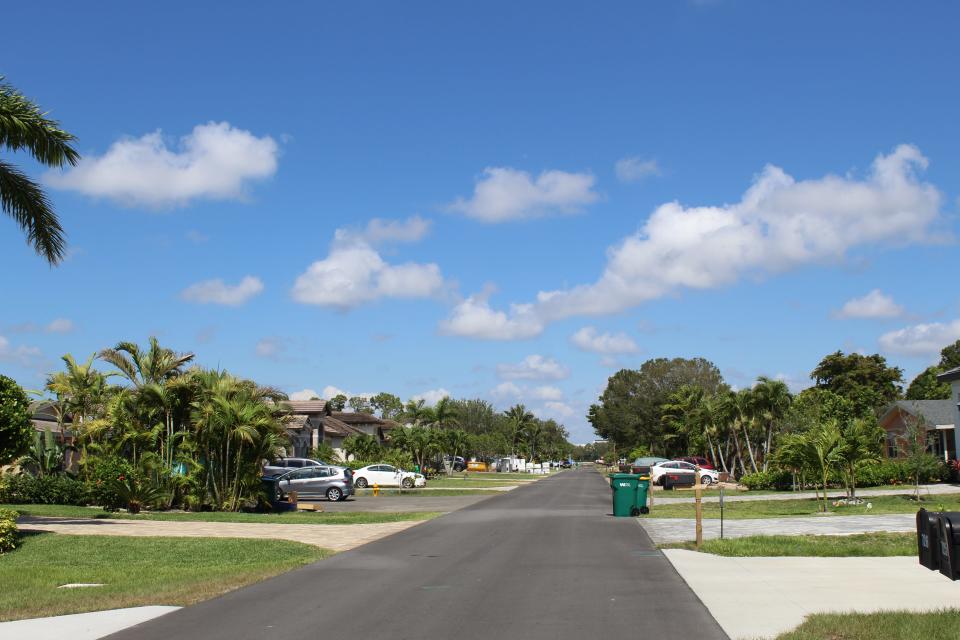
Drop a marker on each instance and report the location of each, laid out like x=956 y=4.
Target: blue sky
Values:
x=557 y=190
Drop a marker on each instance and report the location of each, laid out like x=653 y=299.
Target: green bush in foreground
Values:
x=888 y=625
x=8 y=530
x=27 y=489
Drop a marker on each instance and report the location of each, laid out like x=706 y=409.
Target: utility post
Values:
x=698 y=492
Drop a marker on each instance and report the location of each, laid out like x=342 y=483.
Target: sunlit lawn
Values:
x=302 y=517
x=135 y=571
x=892 y=625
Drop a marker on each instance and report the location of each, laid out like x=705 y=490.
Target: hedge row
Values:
x=871 y=475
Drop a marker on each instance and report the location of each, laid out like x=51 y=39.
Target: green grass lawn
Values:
x=785 y=508
x=303 y=517
x=865 y=544
x=135 y=571
x=892 y=625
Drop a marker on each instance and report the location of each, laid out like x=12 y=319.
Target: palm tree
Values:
x=860 y=444
x=519 y=420
x=153 y=366
x=771 y=400
x=445 y=413
x=417 y=412
x=23 y=127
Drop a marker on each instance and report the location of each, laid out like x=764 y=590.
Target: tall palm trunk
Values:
x=746 y=437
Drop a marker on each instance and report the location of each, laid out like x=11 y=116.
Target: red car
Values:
x=698 y=460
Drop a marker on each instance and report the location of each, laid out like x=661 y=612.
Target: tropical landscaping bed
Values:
x=302 y=517
x=135 y=571
x=865 y=544
x=888 y=625
x=872 y=505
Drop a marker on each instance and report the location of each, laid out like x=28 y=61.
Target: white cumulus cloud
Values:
x=503 y=194
x=779 y=224
x=558 y=411
x=215 y=161
x=354 y=273
x=546 y=392
x=216 y=291
x=921 y=340
x=60 y=325
x=875 y=304
x=506 y=391
x=475 y=318
x=433 y=396
x=589 y=339
x=23 y=355
x=634 y=169
x=304 y=394
x=533 y=367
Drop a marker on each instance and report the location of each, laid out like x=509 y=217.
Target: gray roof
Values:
x=934 y=412
x=949 y=376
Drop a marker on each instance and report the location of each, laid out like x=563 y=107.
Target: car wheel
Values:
x=407 y=483
x=706 y=480
x=360 y=483
x=334 y=494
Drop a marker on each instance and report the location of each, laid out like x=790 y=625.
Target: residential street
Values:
x=545 y=561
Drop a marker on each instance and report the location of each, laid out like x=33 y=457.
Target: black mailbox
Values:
x=949 y=544
x=928 y=539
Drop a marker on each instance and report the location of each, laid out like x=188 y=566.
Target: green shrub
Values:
x=102 y=476
x=896 y=472
x=765 y=480
x=8 y=530
x=27 y=489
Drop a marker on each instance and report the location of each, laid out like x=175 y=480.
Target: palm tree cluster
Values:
x=437 y=435
x=200 y=435
x=737 y=429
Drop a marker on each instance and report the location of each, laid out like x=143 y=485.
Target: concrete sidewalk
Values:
x=763 y=597
x=663 y=530
x=337 y=537
x=80 y=626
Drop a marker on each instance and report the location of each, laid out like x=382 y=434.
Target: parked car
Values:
x=707 y=476
x=386 y=475
x=700 y=460
x=281 y=466
x=458 y=464
x=334 y=483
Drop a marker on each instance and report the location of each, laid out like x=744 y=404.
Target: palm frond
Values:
x=24 y=201
x=24 y=127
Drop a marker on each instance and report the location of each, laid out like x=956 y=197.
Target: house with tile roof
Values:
x=311 y=422
x=938 y=418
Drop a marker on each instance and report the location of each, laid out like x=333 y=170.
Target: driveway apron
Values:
x=545 y=561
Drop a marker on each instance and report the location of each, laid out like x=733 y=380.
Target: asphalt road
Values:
x=388 y=503
x=541 y=562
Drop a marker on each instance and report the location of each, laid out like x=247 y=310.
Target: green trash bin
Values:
x=624 y=486
x=643 y=486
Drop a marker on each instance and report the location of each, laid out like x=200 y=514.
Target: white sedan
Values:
x=386 y=475
x=707 y=476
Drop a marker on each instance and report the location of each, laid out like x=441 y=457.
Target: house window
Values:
x=893 y=451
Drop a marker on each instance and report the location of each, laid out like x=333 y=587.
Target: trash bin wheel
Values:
x=634 y=511
x=644 y=510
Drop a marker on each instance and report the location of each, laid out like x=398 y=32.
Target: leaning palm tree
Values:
x=23 y=127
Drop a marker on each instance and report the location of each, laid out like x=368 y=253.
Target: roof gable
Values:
x=933 y=412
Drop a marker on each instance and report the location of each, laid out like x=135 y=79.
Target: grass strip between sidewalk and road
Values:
x=887 y=625
x=862 y=544
x=135 y=571
x=302 y=517
x=748 y=509
x=420 y=493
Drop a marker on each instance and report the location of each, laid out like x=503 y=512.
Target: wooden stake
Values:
x=698 y=489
